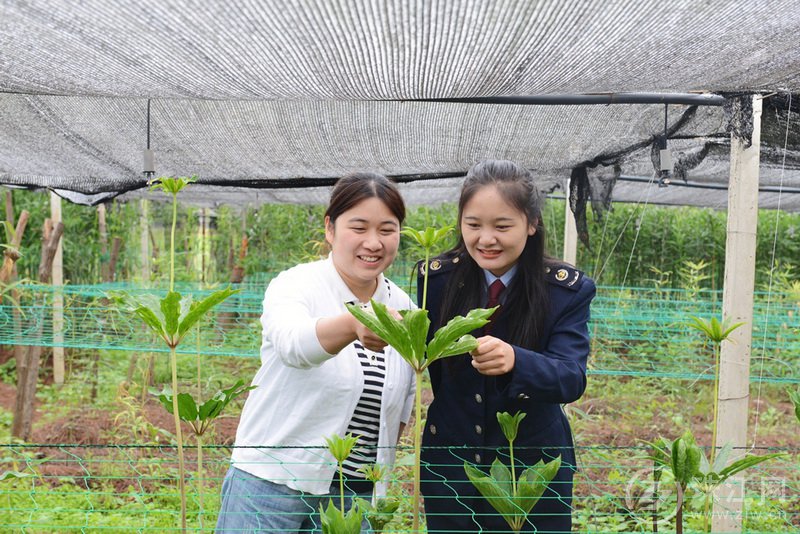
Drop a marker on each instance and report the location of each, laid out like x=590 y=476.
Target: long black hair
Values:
x=527 y=298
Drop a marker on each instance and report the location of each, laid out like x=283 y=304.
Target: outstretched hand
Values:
x=493 y=356
x=370 y=339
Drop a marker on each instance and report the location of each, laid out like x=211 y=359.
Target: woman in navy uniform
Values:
x=530 y=358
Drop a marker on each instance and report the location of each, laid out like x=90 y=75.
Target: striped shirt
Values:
x=365 y=423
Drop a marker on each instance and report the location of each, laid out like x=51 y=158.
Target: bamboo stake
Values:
x=58 y=296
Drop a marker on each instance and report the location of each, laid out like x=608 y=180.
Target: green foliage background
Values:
x=625 y=246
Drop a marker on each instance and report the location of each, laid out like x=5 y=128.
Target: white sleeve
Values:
x=288 y=326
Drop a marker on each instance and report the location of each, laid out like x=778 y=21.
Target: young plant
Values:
x=513 y=498
x=335 y=520
x=716 y=332
x=383 y=511
x=200 y=416
x=172 y=317
x=688 y=464
x=408 y=337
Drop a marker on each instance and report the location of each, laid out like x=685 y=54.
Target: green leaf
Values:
x=199 y=309
x=533 y=482
x=335 y=522
x=388 y=505
x=171 y=308
x=492 y=492
x=715 y=331
x=151 y=319
x=374 y=472
x=165 y=398
x=370 y=321
x=10 y=231
x=720 y=459
x=429 y=237
x=341 y=447
x=392 y=332
x=381 y=514
x=510 y=424
x=170 y=185
x=214 y=406
x=455 y=328
x=745 y=463
x=211 y=408
x=461 y=345
x=187 y=407
x=685 y=459
x=14 y=474
x=502 y=476
x=413 y=233
x=416 y=324
x=661 y=451
x=397 y=330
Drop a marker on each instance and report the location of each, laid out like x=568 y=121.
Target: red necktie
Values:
x=495 y=289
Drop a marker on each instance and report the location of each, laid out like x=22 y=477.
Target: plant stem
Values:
x=513 y=470
x=341 y=488
x=200 y=479
x=418 y=441
x=172 y=243
x=199 y=381
x=178 y=435
x=174 y=364
x=716 y=405
x=656 y=478
x=425 y=280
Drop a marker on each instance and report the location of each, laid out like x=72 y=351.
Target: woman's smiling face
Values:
x=494 y=231
x=364 y=241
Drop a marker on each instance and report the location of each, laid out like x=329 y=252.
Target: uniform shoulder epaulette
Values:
x=440 y=264
x=563 y=275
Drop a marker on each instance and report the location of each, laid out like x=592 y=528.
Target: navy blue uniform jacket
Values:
x=462 y=423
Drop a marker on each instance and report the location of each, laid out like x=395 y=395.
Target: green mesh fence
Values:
x=132 y=488
x=638 y=334
x=635 y=331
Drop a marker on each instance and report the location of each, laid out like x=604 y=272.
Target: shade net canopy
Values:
x=272 y=101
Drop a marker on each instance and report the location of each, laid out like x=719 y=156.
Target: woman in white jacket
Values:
x=322 y=372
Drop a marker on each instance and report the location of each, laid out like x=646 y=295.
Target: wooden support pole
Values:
x=28 y=367
x=58 y=296
x=737 y=305
x=116 y=246
x=570 y=232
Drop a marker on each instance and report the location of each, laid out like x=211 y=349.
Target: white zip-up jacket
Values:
x=305 y=394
